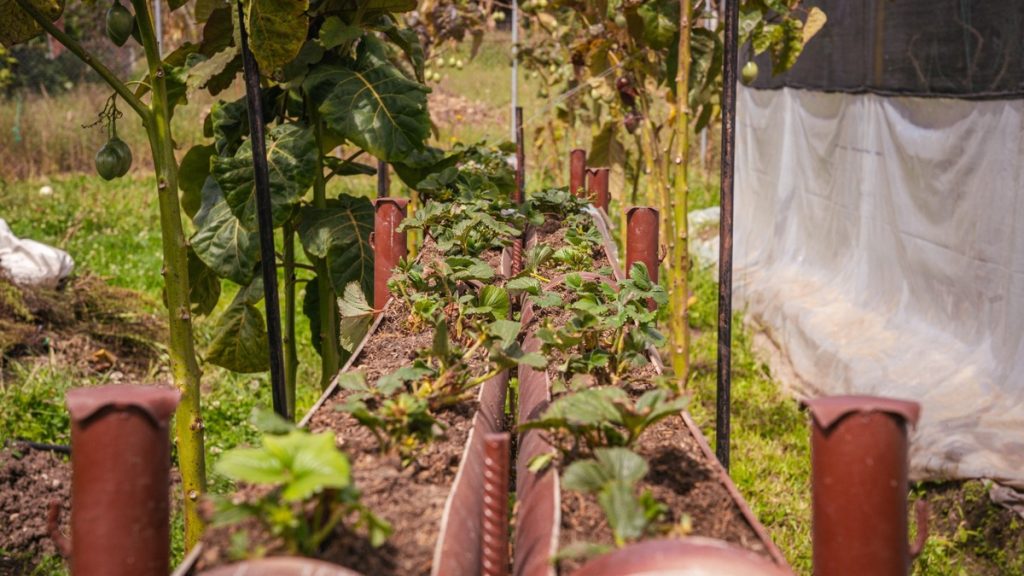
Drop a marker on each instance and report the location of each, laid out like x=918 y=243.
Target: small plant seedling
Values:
x=587 y=420
x=613 y=475
x=610 y=330
x=311 y=490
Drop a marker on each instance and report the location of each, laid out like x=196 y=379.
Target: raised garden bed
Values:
x=684 y=476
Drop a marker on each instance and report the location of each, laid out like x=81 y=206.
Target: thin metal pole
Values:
x=268 y=266
x=724 y=391
x=383 y=179
x=515 y=66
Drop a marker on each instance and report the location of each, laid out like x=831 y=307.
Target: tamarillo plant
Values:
x=619 y=62
x=22 y=20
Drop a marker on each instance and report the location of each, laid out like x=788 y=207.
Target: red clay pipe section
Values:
x=693 y=556
x=495 y=509
x=597 y=187
x=577 y=171
x=120 y=478
x=859 y=464
x=389 y=245
x=642 y=239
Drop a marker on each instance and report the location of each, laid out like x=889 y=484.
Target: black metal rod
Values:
x=257 y=137
x=724 y=389
x=383 y=179
x=520 y=192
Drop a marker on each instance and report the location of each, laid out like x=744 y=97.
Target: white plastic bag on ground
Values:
x=31 y=263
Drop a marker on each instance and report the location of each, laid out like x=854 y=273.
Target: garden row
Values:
x=603 y=454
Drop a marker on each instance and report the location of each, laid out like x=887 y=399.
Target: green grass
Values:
x=770 y=444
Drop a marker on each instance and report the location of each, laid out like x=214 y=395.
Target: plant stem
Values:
x=680 y=262
x=330 y=355
x=188 y=419
x=87 y=57
x=291 y=358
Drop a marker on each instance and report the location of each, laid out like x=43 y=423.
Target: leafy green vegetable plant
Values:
x=612 y=475
x=582 y=422
x=401 y=407
x=310 y=490
x=611 y=329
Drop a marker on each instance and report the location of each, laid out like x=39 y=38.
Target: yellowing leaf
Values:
x=16 y=26
x=277 y=29
x=816 y=20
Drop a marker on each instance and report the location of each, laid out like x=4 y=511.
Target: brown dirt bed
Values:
x=29 y=481
x=412 y=498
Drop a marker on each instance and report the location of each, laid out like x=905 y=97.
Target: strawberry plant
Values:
x=400 y=408
x=309 y=493
x=611 y=328
x=612 y=475
x=580 y=423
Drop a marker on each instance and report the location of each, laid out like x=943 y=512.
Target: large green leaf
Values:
x=340 y=233
x=202 y=72
x=192 y=174
x=302 y=464
x=16 y=26
x=227 y=123
x=277 y=29
x=356 y=316
x=625 y=512
x=291 y=163
x=661 y=22
x=240 y=338
x=204 y=285
x=372 y=104
x=221 y=242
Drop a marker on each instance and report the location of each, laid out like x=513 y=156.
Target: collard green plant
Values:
x=337 y=76
x=310 y=490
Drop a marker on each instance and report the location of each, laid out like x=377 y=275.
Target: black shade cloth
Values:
x=948 y=48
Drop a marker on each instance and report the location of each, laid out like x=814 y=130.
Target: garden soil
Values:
x=410 y=498
x=29 y=481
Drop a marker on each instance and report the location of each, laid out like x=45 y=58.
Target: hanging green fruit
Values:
x=114 y=159
x=119 y=23
x=749 y=73
x=124 y=155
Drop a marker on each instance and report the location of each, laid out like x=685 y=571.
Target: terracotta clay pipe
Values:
x=642 y=239
x=577 y=172
x=389 y=245
x=859 y=463
x=597 y=187
x=120 y=478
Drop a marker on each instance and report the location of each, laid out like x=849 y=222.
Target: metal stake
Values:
x=383 y=179
x=268 y=267
x=724 y=388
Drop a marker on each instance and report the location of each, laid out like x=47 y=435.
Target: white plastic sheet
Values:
x=880 y=243
x=32 y=263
